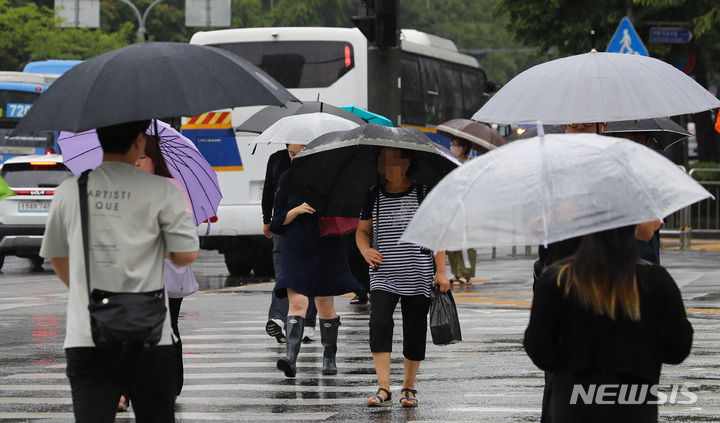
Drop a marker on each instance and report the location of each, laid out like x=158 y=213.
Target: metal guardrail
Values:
x=699 y=218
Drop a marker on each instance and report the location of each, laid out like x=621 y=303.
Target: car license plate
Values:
x=33 y=206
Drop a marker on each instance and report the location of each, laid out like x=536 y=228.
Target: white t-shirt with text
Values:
x=134 y=218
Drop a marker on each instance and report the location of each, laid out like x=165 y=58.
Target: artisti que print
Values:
x=108 y=199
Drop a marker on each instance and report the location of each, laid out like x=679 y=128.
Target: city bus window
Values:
x=451 y=93
x=412 y=108
x=298 y=64
x=472 y=88
x=431 y=88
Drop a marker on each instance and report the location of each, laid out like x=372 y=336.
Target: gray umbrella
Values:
x=263 y=119
x=150 y=80
x=664 y=131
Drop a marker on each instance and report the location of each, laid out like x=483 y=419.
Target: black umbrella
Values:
x=262 y=120
x=150 y=80
x=664 y=131
x=335 y=171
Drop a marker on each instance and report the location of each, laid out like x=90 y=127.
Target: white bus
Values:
x=423 y=83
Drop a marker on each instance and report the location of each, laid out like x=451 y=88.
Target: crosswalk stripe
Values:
x=233 y=416
x=238 y=375
x=229 y=363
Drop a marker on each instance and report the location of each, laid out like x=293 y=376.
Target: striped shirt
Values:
x=405 y=268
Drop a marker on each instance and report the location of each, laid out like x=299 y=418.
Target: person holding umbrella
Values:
x=461 y=274
x=125 y=254
x=153 y=163
x=277 y=164
x=312 y=266
x=599 y=316
x=294 y=131
x=399 y=272
x=591 y=323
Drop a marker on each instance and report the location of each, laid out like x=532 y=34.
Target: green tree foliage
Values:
x=311 y=13
x=30 y=32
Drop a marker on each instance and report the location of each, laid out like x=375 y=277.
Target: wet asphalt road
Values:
x=230 y=361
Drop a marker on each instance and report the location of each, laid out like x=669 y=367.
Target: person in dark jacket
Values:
x=278 y=163
x=312 y=267
x=601 y=316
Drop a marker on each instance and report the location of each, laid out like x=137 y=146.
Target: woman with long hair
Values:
x=603 y=317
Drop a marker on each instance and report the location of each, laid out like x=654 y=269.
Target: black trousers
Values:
x=97 y=378
x=414 y=315
x=174 y=305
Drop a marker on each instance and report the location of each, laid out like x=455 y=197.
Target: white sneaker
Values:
x=276 y=328
x=308 y=333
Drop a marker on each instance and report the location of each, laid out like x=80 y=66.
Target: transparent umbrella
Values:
x=547 y=189
x=596 y=87
x=303 y=128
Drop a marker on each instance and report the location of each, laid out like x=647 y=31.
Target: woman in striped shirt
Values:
x=399 y=272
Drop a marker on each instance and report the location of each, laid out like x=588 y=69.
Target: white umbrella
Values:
x=596 y=87
x=546 y=189
x=301 y=129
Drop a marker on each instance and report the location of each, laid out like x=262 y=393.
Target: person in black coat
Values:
x=278 y=163
x=602 y=316
x=313 y=266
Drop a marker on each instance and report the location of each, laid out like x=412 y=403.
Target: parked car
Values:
x=23 y=216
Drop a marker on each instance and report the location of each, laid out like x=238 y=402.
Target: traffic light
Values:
x=380 y=24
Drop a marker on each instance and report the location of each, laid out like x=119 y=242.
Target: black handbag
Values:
x=444 y=322
x=120 y=319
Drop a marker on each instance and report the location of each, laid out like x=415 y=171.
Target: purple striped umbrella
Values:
x=82 y=151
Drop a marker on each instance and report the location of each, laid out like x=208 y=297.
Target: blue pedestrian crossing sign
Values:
x=626 y=40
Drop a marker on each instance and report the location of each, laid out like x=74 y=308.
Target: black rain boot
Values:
x=293 y=336
x=328 y=338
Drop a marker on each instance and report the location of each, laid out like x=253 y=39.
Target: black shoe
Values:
x=274 y=328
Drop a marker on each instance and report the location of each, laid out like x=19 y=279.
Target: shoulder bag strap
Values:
x=82 y=189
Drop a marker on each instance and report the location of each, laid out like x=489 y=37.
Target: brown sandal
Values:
x=406 y=400
x=379 y=401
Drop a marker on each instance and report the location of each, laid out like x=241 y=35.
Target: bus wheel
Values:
x=2 y=260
